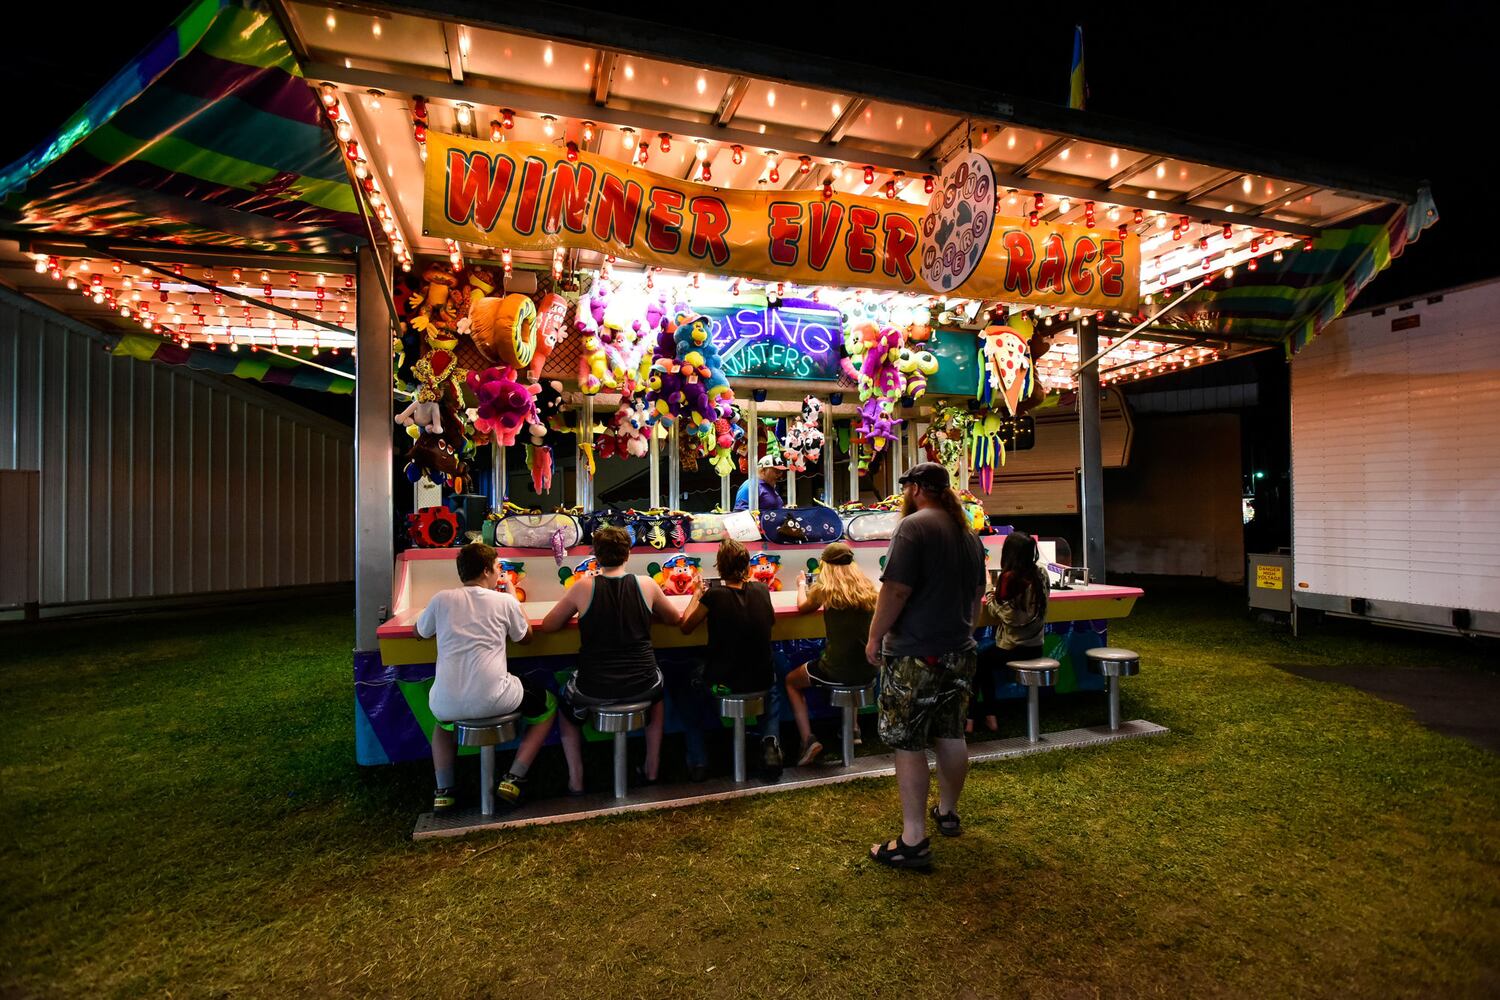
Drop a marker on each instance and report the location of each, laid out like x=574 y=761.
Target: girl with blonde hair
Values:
x=847 y=598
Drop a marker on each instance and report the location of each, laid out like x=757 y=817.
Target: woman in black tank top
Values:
x=616 y=661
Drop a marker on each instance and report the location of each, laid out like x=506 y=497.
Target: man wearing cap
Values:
x=922 y=639
x=770 y=472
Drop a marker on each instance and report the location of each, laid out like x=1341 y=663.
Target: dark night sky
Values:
x=1332 y=82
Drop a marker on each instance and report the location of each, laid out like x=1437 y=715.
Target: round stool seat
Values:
x=850 y=695
x=620 y=717
x=1108 y=661
x=1040 y=672
x=738 y=706
x=488 y=732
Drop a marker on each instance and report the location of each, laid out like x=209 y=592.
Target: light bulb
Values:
x=463 y=115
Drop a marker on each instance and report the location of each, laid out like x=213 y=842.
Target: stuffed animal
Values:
x=804 y=436
x=439 y=383
x=505 y=330
x=1006 y=370
x=678 y=575
x=504 y=405
x=439 y=456
x=916 y=366
x=511 y=572
x=551 y=330
x=945 y=439
x=593 y=366
x=986 y=448
x=432 y=300
x=764 y=567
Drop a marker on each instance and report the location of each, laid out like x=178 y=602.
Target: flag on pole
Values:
x=1077 y=90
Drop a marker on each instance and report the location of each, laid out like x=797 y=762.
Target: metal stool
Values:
x=850 y=698
x=736 y=707
x=1112 y=664
x=1034 y=675
x=486 y=734
x=620 y=718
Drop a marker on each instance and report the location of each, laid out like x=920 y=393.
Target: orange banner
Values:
x=532 y=197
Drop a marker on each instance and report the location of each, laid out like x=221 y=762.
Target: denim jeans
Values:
x=692 y=704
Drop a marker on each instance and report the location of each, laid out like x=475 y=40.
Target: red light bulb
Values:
x=869 y=175
x=927 y=184
x=828 y=189
x=572 y=152
x=739 y=154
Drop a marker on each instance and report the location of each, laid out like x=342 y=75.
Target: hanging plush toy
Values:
x=505 y=330
x=804 y=436
x=625 y=435
x=432 y=301
x=551 y=329
x=440 y=456
x=549 y=403
x=504 y=405
x=439 y=384
x=987 y=448
x=728 y=433
x=1006 y=371
x=946 y=438
x=916 y=366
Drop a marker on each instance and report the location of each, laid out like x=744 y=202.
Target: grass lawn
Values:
x=182 y=815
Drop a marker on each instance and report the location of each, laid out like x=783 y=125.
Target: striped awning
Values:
x=210 y=138
x=1290 y=301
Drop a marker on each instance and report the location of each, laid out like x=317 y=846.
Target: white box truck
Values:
x=1396 y=465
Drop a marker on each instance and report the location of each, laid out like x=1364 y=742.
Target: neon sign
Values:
x=798 y=339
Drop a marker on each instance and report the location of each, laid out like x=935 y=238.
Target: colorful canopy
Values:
x=1291 y=301
x=209 y=138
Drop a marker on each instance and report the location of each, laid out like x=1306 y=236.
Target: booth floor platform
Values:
x=567 y=810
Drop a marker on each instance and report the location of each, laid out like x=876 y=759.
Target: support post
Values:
x=584 y=481
x=499 y=483
x=829 y=450
x=791 y=487
x=654 y=475
x=374 y=512
x=674 y=467
x=853 y=464
x=1090 y=460
x=752 y=451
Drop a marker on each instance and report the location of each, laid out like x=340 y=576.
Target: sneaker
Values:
x=444 y=801
x=697 y=772
x=770 y=757
x=510 y=789
x=810 y=753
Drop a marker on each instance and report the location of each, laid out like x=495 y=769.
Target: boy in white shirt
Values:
x=473 y=624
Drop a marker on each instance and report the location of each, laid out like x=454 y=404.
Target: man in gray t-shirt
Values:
x=922 y=639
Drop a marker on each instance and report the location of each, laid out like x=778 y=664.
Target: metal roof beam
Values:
x=604 y=73
x=845 y=120
x=1045 y=156
x=1134 y=170
x=1216 y=181
x=454 y=44
x=729 y=104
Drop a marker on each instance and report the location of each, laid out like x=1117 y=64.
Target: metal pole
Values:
x=620 y=788
x=898 y=458
x=1033 y=714
x=848 y=735
x=828 y=453
x=853 y=465
x=585 y=482
x=655 y=462
x=374 y=512
x=487 y=781
x=1113 y=684
x=499 y=481
x=791 y=487
x=1095 y=354
x=739 y=748
x=752 y=451
x=674 y=468
x=1090 y=461
x=726 y=498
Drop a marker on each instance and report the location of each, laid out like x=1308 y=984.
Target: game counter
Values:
x=392 y=690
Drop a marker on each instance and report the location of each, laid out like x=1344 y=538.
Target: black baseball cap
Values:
x=928 y=475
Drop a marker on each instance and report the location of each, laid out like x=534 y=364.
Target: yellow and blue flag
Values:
x=1077 y=90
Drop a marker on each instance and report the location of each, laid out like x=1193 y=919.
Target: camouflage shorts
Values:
x=923 y=698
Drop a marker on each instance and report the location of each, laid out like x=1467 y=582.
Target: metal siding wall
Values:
x=158 y=481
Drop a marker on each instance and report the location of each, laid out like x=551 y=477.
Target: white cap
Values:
x=769 y=462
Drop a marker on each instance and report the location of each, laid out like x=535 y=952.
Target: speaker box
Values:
x=471 y=509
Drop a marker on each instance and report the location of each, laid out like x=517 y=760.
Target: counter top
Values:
x=399 y=642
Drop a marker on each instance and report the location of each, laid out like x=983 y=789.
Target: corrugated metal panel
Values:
x=1396 y=455
x=159 y=481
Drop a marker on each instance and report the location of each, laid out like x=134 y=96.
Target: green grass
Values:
x=182 y=815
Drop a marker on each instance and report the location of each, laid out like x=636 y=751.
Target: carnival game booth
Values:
x=591 y=268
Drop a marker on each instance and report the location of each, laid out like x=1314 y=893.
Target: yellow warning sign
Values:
x=1268 y=577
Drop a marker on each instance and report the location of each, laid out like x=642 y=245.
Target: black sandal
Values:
x=904 y=855
x=948 y=824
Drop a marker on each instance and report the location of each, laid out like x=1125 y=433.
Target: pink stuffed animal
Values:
x=505 y=405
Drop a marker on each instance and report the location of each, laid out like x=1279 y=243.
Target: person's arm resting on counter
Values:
x=563 y=611
x=661 y=606
x=694 y=614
